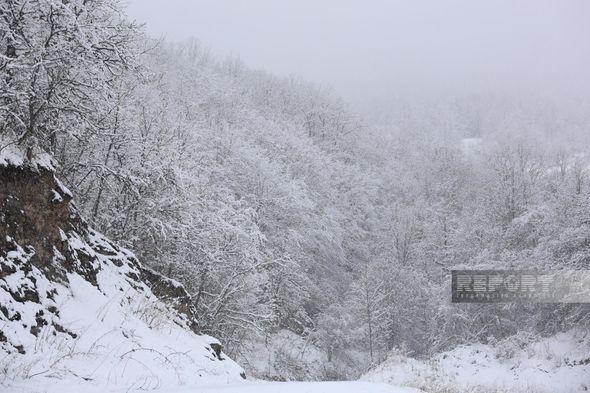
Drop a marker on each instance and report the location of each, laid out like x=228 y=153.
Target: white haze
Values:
x=373 y=50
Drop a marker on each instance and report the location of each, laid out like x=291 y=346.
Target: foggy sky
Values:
x=370 y=49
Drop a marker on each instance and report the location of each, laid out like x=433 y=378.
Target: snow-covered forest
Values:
x=314 y=242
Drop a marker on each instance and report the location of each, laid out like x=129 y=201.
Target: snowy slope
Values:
x=557 y=364
x=77 y=310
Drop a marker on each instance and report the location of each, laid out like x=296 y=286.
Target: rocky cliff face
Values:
x=75 y=305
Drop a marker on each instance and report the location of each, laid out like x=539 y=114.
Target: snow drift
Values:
x=76 y=308
x=522 y=363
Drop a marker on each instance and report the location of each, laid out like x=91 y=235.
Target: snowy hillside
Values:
x=308 y=234
x=77 y=309
x=557 y=364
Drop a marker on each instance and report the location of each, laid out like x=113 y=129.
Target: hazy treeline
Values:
x=278 y=208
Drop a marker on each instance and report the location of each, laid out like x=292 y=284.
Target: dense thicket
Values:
x=279 y=209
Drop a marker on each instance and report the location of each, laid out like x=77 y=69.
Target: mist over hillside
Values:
x=315 y=238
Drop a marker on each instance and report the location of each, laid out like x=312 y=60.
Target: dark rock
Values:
x=217 y=350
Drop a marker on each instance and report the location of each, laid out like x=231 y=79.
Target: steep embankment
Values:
x=76 y=308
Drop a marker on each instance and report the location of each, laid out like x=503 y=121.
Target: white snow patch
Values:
x=56 y=196
x=559 y=364
x=11 y=154
x=63 y=189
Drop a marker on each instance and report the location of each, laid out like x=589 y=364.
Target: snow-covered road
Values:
x=300 y=387
x=245 y=387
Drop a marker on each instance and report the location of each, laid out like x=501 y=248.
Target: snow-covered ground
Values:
x=243 y=387
x=303 y=387
x=125 y=338
x=559 y=364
